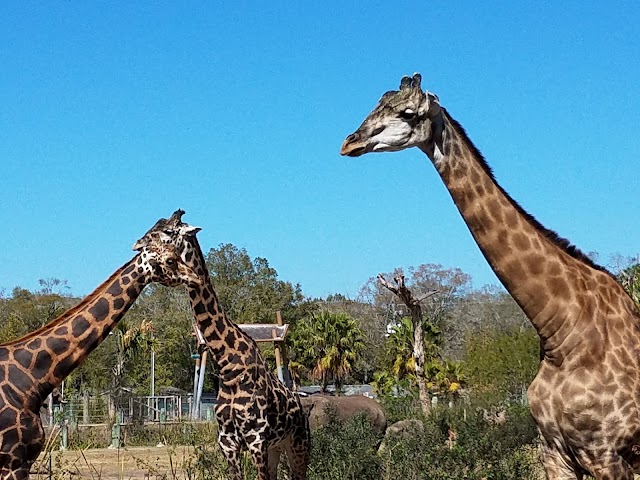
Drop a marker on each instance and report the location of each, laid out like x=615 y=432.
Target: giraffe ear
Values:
x=190 y=230
x=139 y=245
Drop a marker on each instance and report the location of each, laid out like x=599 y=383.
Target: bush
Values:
x=345 y=450
x=459 y=445
x=401 y=408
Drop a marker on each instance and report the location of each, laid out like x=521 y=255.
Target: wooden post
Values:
x=281 y=356
x=196 y=376
x=203 y=369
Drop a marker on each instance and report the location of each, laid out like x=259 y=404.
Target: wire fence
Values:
x=106 y=409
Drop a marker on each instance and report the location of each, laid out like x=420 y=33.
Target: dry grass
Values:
x=114 y=464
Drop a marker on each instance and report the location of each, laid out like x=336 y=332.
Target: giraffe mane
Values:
x=561 y=242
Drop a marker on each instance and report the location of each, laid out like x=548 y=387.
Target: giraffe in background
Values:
x=585 y=398
x=31 y=367
x=255 y=411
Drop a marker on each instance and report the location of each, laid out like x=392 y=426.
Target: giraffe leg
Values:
x=556 y=467
x=299 y=456
x=231 y=451
x=260 y=457
x=274 y=461
x=616 y=469
x=21 y=473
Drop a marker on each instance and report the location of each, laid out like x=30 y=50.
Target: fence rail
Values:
x=105 y=409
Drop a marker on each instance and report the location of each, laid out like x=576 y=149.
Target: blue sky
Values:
x=113 y=114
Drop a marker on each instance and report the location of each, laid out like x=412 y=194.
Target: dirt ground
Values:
x=114 y=464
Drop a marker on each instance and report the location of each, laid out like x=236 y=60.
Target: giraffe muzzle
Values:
x=352 y=146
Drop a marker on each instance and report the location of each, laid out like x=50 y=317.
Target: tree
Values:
x=131 y=341
x=417 y=325
x=501 y=364
x=327 y=344
x=31 y=311
x=374 y=333
x=629 y=278
x=249 y=290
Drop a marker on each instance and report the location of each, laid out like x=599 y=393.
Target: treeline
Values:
x=475 y=341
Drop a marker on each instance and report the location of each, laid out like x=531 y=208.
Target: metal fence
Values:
x=104 y=409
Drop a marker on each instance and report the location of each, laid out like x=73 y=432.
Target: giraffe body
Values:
x=254 y=410
x=585 y=397
x=32 y=366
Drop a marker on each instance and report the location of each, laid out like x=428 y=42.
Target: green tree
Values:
x=131 y=342
x=32 y=310
x=630 y=280
x=327 y=344
x=249 y=289
x=443 y=378
x=170 y=312
x=501 y=364
x=399 y=346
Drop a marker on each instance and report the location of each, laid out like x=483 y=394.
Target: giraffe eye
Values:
x=171 y=262
x=408 y=114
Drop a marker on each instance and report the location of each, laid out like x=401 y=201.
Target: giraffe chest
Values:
x=263 y=416
x=21 y=437
x=586 y=407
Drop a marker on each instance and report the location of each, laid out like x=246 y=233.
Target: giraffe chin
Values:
x=353 y=149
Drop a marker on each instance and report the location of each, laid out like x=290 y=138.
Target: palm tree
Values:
x=442 y=377
x=131 y=341
x=328 y=344
x=400 y=346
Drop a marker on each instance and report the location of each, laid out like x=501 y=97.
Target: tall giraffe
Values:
x=32 y=366
x=585 y=398
x=255 y=411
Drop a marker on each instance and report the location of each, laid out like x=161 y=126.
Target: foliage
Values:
x=630 y=280
x=345 y=450
x=249 y=290
x=327 y=344
x=490 y=308
x=458 y=443
x=25 y=311
x=501 y=364
x=401 y=407
x=131 y=341
x=444 y=378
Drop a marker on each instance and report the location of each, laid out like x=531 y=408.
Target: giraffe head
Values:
x=403 y=118
x=162 y=264
x=174 y=232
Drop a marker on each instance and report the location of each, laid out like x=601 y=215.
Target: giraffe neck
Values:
x=41 y=360
x=233 y=350
x=545 y=275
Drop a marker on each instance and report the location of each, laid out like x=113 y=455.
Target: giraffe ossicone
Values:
x=585 y=398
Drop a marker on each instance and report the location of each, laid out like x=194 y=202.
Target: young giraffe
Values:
x=255 y=411
x=585 y=398
x=32 y=366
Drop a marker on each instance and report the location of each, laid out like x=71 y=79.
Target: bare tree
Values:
x=400 y=289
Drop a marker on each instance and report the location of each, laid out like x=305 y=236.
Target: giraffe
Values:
x=31 y=367
x=254 y=410
x=585 y=398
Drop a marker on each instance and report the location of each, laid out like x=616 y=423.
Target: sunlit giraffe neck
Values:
x=586 y=395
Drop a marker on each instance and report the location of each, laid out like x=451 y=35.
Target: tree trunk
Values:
x=413 y=304
x=418 y=356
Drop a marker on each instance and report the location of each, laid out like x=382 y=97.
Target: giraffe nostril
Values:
x=354 y=137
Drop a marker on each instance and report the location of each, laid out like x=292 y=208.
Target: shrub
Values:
x=459 y=445
x=345 y=450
